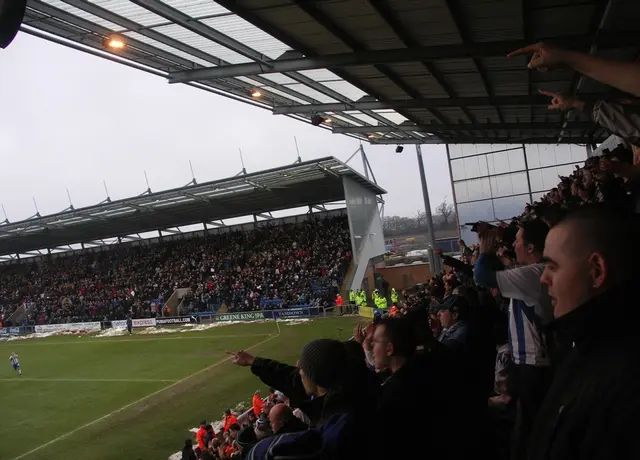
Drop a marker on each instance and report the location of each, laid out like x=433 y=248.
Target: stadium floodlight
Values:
x=399 y=149
x=255 y=93
x=317 y=120
x=115 y=43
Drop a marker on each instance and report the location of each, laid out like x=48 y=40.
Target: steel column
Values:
x=434 y=261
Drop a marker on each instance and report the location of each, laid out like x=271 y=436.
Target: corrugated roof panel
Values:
x=197 y=8
x=346 y=120
x=346 y=89
x=562 y=20
x=385 y=88
x=169 y=49
x=283 y=94
x=131 y=11
x=197 y=41
x=247 y=34
x=250 y=81
x=426 y=85
x=317 y=95
x=430 y=24
x=510 y=83
x=320 y=75
x=467 y=84
x=457 y=65
x=83 y=14
x=493 y=20
x=393 y=117
x=278 y=78
x=367 y=119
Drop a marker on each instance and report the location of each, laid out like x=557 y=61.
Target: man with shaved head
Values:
x=283 y=421
x=592 y=409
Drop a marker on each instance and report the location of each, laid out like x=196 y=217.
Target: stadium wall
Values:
x=365 y=226
x=492 y=182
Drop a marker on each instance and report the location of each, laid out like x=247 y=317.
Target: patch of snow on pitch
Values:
x=293 y=322
x=37 y=335
x=204 y=327
x=158 y=330
x=111 y=333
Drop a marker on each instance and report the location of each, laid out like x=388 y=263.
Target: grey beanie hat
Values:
x=324 y=362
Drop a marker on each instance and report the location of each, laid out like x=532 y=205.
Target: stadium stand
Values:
x=283 y=265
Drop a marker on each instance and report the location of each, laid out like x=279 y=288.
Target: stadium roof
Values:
x=390 y=71
x=301 y=184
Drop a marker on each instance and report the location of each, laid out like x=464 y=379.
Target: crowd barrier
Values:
x=302 y=311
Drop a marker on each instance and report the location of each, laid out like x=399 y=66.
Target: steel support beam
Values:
x=457 y=127
x=367 y=57
x=478 y=140
x=434 y=260
x=428 y=103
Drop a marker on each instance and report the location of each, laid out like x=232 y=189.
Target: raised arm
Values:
x=622 y=75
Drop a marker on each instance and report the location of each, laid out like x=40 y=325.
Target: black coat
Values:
x=355 y=399
x=592 y=410
x=422 y=403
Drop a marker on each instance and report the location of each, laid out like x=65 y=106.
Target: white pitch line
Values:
x=104 y=417
x=114 y=339
x=31 y=379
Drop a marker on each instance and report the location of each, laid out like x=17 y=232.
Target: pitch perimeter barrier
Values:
x=306 y=311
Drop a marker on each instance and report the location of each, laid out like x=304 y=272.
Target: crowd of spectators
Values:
x=285 y=265
x=526 y=349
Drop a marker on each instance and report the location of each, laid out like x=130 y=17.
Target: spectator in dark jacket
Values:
x=327 y=381
x=591 y=410
x=187 y=450
x=409 y=389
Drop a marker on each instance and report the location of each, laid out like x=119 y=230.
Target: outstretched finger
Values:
x=526 y=50
x=549 y=93
x=232 y=353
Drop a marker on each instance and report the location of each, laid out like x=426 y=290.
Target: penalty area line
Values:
x=131 y=404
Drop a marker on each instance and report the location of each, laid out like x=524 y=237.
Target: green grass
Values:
x=64 y=403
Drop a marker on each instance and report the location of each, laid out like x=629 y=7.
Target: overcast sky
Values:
x=71 y=120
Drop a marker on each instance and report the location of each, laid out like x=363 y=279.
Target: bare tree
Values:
x=445 y=209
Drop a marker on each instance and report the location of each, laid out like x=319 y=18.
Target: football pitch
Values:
x=134 y=397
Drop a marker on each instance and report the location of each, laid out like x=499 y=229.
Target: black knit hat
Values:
x=324 y=362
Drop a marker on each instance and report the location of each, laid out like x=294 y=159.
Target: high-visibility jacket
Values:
x=228 y=421
x=352 y=297
x=200 y=437
x=258 y=405
x=394 y=296
x=379 y=301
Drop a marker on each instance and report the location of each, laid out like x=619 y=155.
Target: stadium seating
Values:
x=273 y=266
